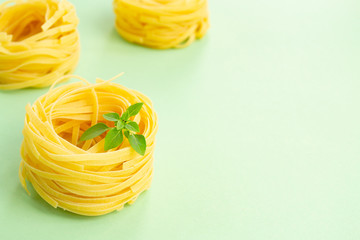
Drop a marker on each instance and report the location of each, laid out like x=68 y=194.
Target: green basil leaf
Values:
x=132 y=126
x=138 y=143
x=125 y=116
x=112 y=116
x=126 y=133
x=120 y=125
x=94 y=131
x=135 y=109
x=113 y=139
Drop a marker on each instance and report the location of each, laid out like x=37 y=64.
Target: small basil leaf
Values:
x=94 y=131
x=134 y=109
x=126 y=133
x=112 y=116
x=120 y=125
x=138 y=143
x=125 y=116
x=132 y=126
x=113 y=139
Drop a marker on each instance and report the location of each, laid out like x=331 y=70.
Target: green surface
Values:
x=259 y=128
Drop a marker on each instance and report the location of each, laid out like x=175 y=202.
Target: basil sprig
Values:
x=123 y=126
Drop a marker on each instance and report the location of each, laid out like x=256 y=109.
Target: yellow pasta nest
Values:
x=161 y=23
x=79 y=176
x=39 y=42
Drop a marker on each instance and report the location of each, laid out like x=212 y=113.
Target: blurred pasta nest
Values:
x=161 y=23
x=80 y=176
x=39 y=42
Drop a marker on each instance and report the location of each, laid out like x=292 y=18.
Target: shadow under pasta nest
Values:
x=165 y=67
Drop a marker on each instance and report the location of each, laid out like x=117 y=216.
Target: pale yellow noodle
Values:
x=76 y=176
x=39 y=42
x=161 y=23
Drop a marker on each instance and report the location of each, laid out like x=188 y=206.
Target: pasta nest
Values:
x=79 y=176
x=39 y=42
x=161 y=23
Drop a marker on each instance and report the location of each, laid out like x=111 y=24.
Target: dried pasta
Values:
x=79 y=176
x=161 y=23
x=39 y=42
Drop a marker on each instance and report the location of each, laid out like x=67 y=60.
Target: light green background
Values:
x=259 y=128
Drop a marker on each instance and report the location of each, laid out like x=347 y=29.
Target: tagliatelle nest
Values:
x=161 y=23
x=39 y=42
x=80 y=176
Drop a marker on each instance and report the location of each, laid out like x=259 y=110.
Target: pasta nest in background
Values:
x=39 y=42
x=161 y=23
x=81 y=177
